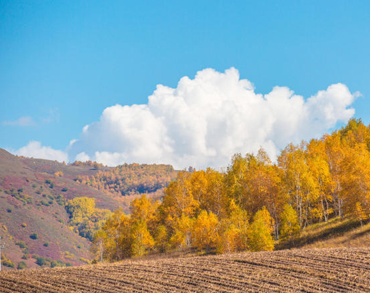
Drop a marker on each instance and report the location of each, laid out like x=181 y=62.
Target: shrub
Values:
x=23 y=197
x=24 y=225
x=34 y=236
x=40 y=261
x=20 y=190
x=21 y=244
x=57 y=263
x=65 y=189
x=60 y=200
x=59 y=174
x=47 y=181
x=84 y=260
x=7 y=262
x=21 y=265
x=46 y=244
x=44 y=203
x=9 y=210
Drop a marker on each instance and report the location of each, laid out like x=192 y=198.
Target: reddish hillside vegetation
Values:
x=33 y=219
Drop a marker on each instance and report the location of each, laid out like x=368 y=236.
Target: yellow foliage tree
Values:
x=254 y=182
x=260 y=237
x=355 y=180
x=234 y=230
x=118 y=240
x=289 y=227
x=142 y=241
x=80 y=208
x=205 y=231
x=143 y=209
x=161 y=238
x=181 y=237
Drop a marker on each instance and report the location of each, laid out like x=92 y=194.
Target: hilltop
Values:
x=33 y=219
x=316 y=270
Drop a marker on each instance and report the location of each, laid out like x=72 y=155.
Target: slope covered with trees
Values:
x=130 y=179
x=47 y=218
x=253 y=204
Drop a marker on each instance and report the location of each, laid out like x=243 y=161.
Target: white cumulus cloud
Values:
x=205 y=120
x=34 y=149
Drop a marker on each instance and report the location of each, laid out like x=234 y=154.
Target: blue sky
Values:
x=63 y=62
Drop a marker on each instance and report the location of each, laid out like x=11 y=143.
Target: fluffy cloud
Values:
x=205 y=120
x=35 y=150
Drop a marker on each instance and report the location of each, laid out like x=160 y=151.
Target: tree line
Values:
x=250 y=205
x=129 y=179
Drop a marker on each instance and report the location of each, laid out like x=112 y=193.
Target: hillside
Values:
x=33 y=194
x=317 y=270
x=335 y=233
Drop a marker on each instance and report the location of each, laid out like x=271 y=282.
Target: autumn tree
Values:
x=80 y=208
x=254 y=182
x=99 y=244
x=355 y=181
x=299 y=181
x=318 y=164
x=289 y=223
x=178 y=201
x=335 y=155
x=143 y=209
x=234 y=230
x=207 y=187
x=142 y=241
x=85 y=219
x=161 y=239
x=205 y=231
x=181 y=232
x=260 y=237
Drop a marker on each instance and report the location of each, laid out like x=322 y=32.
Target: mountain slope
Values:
x=33 y=219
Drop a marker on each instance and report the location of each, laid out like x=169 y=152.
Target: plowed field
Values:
x=316 y=270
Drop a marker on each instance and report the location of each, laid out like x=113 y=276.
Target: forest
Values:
x=128 y=179
x=251 y=205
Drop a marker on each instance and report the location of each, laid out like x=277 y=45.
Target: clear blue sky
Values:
x=63 y=62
